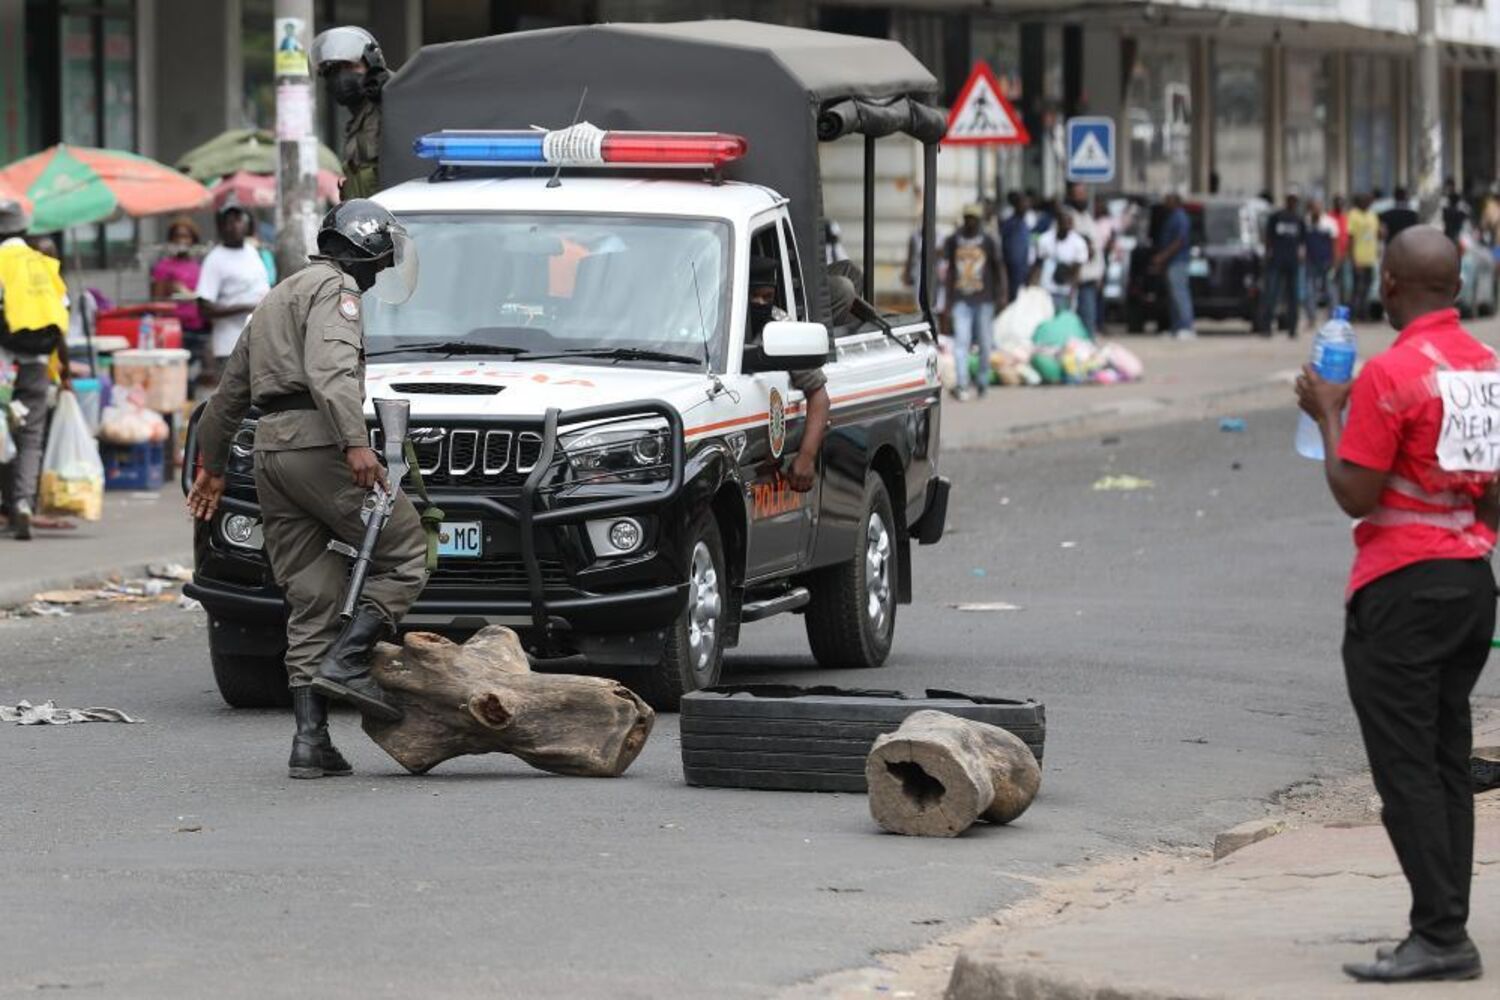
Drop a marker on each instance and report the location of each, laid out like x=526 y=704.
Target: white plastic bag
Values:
x=7 y=443
x=72 y=473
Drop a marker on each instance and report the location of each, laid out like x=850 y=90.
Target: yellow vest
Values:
x=34 y=289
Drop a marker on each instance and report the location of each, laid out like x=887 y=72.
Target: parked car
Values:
x=1224 y=268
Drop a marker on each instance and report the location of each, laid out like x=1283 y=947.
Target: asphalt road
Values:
x=1184 y=639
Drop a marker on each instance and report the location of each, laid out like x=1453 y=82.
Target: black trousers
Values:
x=1415 y=642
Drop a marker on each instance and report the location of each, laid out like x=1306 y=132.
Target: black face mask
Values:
x=760 y=315
x=363 y=274
x=347 y=87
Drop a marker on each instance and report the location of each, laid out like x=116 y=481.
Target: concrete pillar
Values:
x=1275 y=171
x=1339 y=179
x=146 y=99
x=1454 y=112
x=1201 y=63
x=1429 y=101
x=1406 y=166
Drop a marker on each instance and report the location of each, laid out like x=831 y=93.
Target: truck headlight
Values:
x=242 y=531
x=636 y=451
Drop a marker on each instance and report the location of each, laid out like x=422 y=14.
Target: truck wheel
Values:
x=694 y=653
x=852 y=615
x=248 y=679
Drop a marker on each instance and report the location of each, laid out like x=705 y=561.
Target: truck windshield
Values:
x=556 y=283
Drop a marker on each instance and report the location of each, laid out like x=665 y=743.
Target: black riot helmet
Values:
x=365 y=241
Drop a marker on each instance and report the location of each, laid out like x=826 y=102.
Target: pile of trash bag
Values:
x=1035 y=345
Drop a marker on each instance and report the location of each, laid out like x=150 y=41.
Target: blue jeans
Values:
x=1315 y=287
x=973 y=322
x=1088 y=305
x=1179 y=296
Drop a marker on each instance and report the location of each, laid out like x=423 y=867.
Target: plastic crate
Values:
x=134 y=466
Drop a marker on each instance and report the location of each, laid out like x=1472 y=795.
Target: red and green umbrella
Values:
x=75 y=185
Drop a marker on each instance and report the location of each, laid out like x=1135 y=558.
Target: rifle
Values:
x=394 y=415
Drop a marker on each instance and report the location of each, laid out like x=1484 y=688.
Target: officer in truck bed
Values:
x=301 y=363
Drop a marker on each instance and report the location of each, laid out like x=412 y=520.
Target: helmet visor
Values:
x=340 y=45
x=396 y=283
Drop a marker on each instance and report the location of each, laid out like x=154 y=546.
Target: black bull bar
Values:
x=534 y=507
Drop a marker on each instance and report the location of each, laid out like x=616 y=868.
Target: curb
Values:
x=986 y=974
x=15 y=594
x=1129 y=414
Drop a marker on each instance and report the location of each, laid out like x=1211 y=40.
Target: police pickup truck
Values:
x=606 y=432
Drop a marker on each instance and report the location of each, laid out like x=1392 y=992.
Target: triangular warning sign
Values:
x=982 y=116
x=1090 y=154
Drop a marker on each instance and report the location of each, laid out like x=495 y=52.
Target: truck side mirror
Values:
x=788 y=346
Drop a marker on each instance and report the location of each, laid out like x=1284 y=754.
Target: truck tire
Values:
x=816 y=739
x=250 y=681
x=694 y=653
x=851 y=617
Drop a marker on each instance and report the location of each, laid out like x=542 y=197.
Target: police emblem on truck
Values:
x=776 y=423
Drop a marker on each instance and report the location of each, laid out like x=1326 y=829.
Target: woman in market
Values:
x=175 y=277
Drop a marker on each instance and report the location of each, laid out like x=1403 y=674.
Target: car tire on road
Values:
x=816 y=739
x=851 y=617
x=250 y=681
x=694 y=653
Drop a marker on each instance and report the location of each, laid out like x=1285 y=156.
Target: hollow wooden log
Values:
x=481 y=697
x=937 y=774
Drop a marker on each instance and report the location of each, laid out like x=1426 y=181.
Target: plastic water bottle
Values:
x=146 y=334
x=1333 y=354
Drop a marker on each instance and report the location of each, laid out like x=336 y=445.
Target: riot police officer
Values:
x=301 y=363
x=353 y=70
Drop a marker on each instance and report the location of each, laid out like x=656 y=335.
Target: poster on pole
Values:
x=291 y=46
x=982 y=116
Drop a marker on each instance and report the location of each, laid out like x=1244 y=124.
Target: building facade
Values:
x=1235 y=96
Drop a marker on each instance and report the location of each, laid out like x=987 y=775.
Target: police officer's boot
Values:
x=313 y=752
x=344 y=674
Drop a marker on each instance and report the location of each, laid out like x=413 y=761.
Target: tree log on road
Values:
x=937 y=774
x=481 y=697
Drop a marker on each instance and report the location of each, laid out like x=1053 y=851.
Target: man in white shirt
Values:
x=1091 y=274
x=1063 y=254
x=232 y=282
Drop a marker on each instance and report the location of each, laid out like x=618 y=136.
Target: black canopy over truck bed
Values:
x=781 y=88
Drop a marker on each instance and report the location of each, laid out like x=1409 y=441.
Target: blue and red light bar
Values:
x=582 y=145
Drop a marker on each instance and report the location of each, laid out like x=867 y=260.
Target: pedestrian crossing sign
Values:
x=1091 y=150
x=982 y=116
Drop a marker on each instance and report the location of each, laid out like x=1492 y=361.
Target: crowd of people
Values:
x=213 y=292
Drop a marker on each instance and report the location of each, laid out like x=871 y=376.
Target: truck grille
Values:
x=504 y=573
x=469 y=457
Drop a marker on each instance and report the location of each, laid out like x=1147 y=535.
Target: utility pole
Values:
x=296 y=142
x=1429 y=101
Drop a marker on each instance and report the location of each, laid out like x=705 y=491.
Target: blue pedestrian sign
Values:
x=1091 y=150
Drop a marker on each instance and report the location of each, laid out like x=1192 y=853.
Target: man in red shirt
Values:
x=1417 y=463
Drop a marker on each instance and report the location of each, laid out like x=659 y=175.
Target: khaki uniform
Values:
x=307 y=336
x=362 y=153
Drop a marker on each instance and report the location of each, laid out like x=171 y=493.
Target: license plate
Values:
x=461 y=540
x=1197 y=269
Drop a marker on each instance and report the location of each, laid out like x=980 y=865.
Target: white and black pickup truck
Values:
x=608 y=448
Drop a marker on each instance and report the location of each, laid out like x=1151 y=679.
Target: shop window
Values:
x=1239 y=119
x=1159 y=115
x=1372 y=124
x=1306 y=143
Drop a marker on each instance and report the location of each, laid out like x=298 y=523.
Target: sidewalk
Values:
x=137 y=529
x=1273 y=920
x=1226 y=372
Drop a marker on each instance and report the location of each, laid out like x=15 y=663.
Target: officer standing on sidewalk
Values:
x=1421 y=476
x=301 y=362
x=353 y=70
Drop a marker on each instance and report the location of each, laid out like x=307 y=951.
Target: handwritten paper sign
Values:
x=1469 y=440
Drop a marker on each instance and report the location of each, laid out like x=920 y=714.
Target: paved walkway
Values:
x=137 y=529
x=1218 y=374
x=1274 y=920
